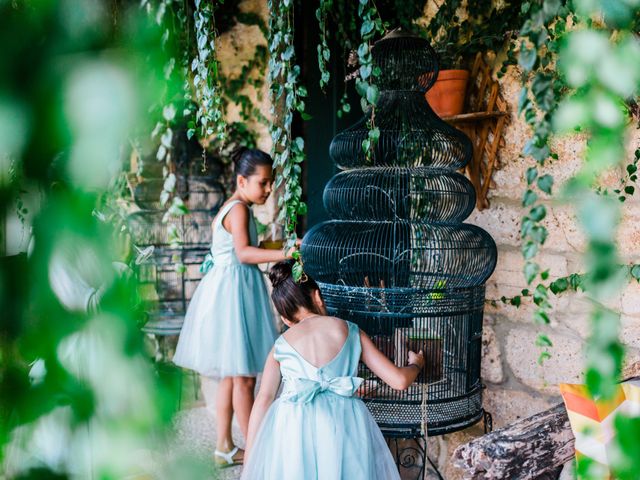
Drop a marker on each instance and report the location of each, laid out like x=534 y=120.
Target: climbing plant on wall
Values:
x=287 y=99
x=579 y=79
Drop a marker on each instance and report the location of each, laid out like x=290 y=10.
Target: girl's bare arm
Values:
x=237 y=223
x=396 y=377
x=269 y=385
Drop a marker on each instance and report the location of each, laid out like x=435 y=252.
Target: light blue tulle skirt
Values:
x=229 y=326
x=329 y=438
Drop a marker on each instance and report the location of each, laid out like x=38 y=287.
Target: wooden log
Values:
x=531 y=448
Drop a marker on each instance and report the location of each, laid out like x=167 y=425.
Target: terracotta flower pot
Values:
x=446 y=97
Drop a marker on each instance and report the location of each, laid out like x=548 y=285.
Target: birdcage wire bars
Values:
x=167 y=288
x=396 y=259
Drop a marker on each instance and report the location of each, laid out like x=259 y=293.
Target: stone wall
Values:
x=517 y=386
x=235 y=49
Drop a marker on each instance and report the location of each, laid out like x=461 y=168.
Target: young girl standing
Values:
x=229 y=327
x=317 y=429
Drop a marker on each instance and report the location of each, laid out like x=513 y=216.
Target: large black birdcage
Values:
x=396 y=259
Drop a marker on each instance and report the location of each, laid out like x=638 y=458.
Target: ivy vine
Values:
x=287 y=98
x=167 y=14
x=324 y=53
x=578 y=74
x=365 y=84
x=541 y=89
x=210 y=114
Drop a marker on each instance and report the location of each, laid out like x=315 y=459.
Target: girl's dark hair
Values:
x=288 y=295
x=246 y=160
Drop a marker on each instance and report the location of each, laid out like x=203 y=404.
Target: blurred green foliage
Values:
x=581 y=72
x=79 y=397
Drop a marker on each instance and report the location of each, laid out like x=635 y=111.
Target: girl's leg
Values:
x=243 y=396
x=224 y=414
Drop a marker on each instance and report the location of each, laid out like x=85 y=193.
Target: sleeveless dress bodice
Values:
x=229 y=327
x=318 y=429
x=304 y=381
x=222 y=251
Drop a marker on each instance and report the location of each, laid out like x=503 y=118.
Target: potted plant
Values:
x=446 y=96
x=457 y=35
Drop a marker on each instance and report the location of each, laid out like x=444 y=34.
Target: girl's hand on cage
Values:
x=416 y=359
x=290 y=251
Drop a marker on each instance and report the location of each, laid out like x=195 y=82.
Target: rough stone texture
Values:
x=630 y=304
x=564 y=366
x=630 y=331
x=491 y=357
x=507 y=405
x=235 y=48
x=452 y=441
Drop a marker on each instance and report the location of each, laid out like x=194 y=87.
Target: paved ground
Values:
x=196 y=432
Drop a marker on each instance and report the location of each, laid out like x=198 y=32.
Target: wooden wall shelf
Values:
x=484 y=125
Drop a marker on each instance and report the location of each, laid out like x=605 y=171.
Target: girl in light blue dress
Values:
x=317 y=429
x=229 y=326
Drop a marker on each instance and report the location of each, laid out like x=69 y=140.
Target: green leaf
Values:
x=523 y=101
x=297 y=271
x=544 y=275
x=544 y=356
x=516 y=301
x=539 y=234
x=559 y=286
x=629 y=189
x=374 y=134
x=532 y=173
x=529 y=250
x=527 y=58
x=635 y=272
x=538 y=213
x=365 y=71
x=373 y=94
x=540 y=295
x=305 y=116
x=366 y=28
x=361 y=87
x=543 y=341
x=527 y=225
x=529 y=198
x=541 y=317
x=530 y=271
x=288 y=53
x=545 y=183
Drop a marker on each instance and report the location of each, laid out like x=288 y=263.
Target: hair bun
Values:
x=280 y=273
x=237 y=153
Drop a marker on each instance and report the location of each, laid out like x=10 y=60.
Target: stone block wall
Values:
x=517 y=386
